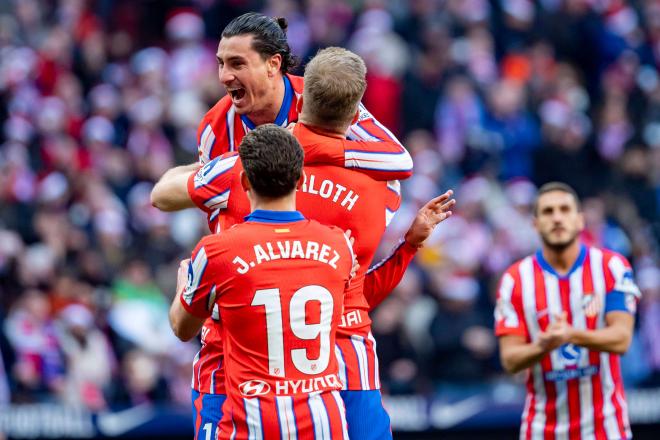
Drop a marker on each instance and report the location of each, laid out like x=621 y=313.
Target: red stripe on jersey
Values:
x=531 y=409
x=594 y=358
x=573 y=385
x=609 y=278
x=546 y=362
x=618 y=395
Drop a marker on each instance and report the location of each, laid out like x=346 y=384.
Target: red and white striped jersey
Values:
x=309 y=416
x=574 y=392
x=332 y=196
x=283 y=358
x=371 y=148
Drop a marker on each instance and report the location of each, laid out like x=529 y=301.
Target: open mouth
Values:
x=236 y=93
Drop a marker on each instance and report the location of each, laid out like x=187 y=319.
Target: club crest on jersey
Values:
x=591 y=304
x=252 y=388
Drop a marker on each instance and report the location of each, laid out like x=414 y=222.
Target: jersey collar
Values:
x=546 y=266
x=282 y=118
x=266 y=216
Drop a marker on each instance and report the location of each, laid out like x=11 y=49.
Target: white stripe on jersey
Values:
x=341 y=364
x=526 y=270
x=389 y=215
x=253 y=419
x=376 y=365
x=363 y=362
x=206 y=141
x=192 y=380
x=505 y=306
x=377 y=161
x=198 y=266
x=287 y=417
x=230 y=127
x=213 y=169
x=358 y=133
x=394 y=186
x=218 y=202
x=320 y=418
x=342 y=413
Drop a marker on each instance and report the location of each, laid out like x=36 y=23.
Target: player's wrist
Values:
x=413 y=240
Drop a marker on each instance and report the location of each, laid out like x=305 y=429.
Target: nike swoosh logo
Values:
x=449 y=415
x=118 y=423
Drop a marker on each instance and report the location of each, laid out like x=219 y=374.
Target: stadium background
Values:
x=492 y=98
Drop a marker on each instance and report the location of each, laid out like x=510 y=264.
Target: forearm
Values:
x=519 y=357
x=386 y=275
x=184 y=325
x=609 y=339
x=171 y=191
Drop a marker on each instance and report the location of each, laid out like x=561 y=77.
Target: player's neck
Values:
x=268 y=114
x=562 y=260
x=286 y=203
x=324 y=131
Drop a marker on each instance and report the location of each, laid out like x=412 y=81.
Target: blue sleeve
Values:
x=615 y=301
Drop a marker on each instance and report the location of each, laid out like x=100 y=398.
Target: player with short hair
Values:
x=566 y=314
x=276 y=283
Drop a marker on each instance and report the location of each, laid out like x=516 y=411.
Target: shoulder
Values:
x=218 y=111
x=297 y=82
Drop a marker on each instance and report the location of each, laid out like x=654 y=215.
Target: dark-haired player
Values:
x=566 y=314
x=276 y=284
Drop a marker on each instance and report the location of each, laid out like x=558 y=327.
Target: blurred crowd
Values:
x=492 y=98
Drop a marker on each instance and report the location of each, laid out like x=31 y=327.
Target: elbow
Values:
x=179 y=329
x=159 y=199
x=509 y=366
x=622 y=346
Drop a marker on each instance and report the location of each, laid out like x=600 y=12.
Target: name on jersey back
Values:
x=288 y=250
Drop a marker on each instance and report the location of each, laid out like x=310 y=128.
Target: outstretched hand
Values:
x=428 y=217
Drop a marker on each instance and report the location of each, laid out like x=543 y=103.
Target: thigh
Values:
x=207 y=413
x=366 y=417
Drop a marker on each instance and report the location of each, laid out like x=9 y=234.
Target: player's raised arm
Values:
x=382 y=278
x=171 y=192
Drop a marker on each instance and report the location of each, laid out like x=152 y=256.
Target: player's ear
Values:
x=301 y=181
x=245 y=182
x=356 y=116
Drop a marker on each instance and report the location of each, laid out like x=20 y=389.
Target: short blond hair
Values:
x=335 y=80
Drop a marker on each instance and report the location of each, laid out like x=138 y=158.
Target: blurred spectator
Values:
x=89 y=358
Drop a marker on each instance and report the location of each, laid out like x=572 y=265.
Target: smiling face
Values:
x=558 y=219
x=246 y=75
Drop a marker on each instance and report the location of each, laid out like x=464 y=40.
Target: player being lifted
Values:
x=254 y=59
x=566 y=313
x=277 y=283
x=334 y=196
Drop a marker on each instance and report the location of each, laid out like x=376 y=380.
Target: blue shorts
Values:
x=365 y=415
x=207 y=412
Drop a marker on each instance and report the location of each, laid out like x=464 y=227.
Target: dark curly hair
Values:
x=269 y=36
x=272 y=159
